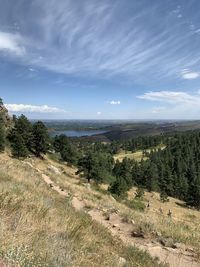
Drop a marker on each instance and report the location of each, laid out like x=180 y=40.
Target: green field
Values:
x=138 y=155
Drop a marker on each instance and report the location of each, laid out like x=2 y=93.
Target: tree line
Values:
x=173 y=171
x=24 y=138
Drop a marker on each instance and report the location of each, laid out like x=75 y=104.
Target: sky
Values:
x=108 y=59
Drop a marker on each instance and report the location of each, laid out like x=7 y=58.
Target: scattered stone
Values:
x=158 y=234
x=167 y=242
x=107 y=218
x=180 y=246
x=122 y=261
x=88 y=186
x=111 y=197
x=138 y=234
x=132 y=221
x=190 y=249
x=53 y=169
x=115 y=225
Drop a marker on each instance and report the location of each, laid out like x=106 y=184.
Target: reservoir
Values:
x=74 y=133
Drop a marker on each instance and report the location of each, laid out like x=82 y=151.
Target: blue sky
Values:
x=108 y=59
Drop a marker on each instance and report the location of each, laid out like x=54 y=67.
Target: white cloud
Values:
x=99 y=113
x=178 y=105
x=172 y=97
x=115 y=102
x=32 y=108
x=81 y=38
x=11 y=43
x=188 y=75
x=31 y=70
x=191 y=75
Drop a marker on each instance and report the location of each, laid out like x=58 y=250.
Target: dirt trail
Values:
x=2 y=264
x=174 y=257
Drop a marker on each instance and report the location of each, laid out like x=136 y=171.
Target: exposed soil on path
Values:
x=2 y=264
x=175 y=257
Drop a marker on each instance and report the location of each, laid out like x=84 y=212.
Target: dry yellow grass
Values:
x=138 y=155
x=184 y=226
x=40 y=228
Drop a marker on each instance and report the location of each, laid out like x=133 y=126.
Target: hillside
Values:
x=126 y=131
x=4 y=115
x=41 y=228
x=51 y=217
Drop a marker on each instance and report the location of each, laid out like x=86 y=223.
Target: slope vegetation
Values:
x=44 y=225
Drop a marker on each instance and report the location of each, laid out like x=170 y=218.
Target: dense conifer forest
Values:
x=172 y=171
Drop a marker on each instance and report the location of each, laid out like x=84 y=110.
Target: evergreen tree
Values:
x=96 y=166
x=40 y=139
x=24 y=128
x=66 y=148
x=2 y=130
x=18 y=146
x=152 y=182
x=2 y=134
x=119 y=187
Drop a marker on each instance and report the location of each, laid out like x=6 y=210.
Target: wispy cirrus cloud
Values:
x=177 y=105
x=172 y=97
x=90 y=37
x=32 y=108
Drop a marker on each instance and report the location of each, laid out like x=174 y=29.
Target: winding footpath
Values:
x=174 y=257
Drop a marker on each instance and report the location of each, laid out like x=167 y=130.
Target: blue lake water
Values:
x=71 y=133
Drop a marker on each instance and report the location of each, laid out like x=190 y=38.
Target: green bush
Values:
x=139 y=192
x=136 y=204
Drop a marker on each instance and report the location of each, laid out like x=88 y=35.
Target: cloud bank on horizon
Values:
x=152 y=48
x=18 y=108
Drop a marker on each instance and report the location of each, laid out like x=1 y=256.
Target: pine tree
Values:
x=67 y=150
x=40 y=139
x=152 y=182
x=2 y=130
x=2 y=135
x=18 y=146
x=119 y=187
x=97 y=166
x=24 y=128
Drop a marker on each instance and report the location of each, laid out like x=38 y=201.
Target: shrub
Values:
x=136 y=204
x=164 y=197
x=139 y=192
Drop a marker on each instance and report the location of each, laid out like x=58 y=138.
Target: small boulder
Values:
x=158 y=234
x=53 y=169
x=138 y=234
x=167 y=242
x=122 y=261
x=107 y=218
x=132 y=222
x=180 y=246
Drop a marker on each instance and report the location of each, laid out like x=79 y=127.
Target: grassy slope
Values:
x=40 y=228
x=184 y=226
x=138 y=155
